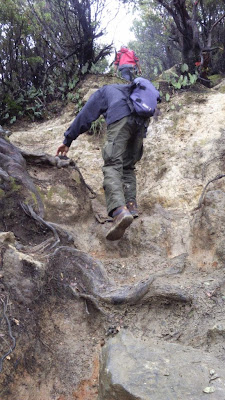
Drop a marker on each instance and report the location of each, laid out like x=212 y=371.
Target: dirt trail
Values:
x=64 y=316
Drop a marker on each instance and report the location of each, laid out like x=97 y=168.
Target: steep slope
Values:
x=67 y=290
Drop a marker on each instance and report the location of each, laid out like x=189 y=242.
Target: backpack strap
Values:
x=129 y=102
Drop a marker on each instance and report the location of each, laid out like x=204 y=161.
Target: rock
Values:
x=4 y=132
x=216 y=331
x=134 y=369
x=7 y=237
x=22 y=275
x=220 y=87
x=89 y=93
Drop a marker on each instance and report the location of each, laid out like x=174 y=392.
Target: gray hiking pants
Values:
x=128 y=73
x=123 y=148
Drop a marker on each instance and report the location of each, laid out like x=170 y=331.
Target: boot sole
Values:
x=134 y=214
x=117 y=231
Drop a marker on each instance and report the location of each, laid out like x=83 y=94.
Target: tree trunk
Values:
x=191 y=51
x=187 y=30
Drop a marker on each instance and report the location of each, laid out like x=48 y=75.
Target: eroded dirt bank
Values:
x=65 y=290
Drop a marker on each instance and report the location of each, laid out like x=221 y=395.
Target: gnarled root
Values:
x=72 y=271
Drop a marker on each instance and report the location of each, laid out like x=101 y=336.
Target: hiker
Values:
x=127 y=63
x=120 y=105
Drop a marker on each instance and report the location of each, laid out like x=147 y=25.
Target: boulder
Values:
x=135 y=369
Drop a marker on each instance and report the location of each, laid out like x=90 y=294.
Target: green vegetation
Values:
x=14 y=186
x=48 y=45
x=97 y=127
x=183 y=80
x=181 y=31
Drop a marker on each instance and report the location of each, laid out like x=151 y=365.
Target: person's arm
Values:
x=115 y=68
x=139 y=67
x=94 y=107
x=136 y=59
x=117 y=61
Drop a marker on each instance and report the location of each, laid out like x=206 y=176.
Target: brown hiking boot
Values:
x=122 y=218
x=132 y=207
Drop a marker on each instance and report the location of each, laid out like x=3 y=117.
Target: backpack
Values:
x=144 y=97
x=126 y=56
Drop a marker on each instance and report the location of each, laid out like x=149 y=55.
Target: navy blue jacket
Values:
x=111 y=101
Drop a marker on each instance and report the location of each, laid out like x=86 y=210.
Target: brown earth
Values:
x=65 y=290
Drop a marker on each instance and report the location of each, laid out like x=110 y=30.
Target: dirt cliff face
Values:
x=65 y=290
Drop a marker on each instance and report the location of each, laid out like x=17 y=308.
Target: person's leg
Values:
x=133 y=73
x=118 y=135
x=126 y=73
x=131 y=156
x=134 y=154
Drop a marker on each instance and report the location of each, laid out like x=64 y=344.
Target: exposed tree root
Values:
x=46 y=159
x=86 y=278
x=50 y=243
x=13 y=168
x=72 y=271
x=204 y=190
x=168 y=293
x=127 y=294
x=31 y=213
